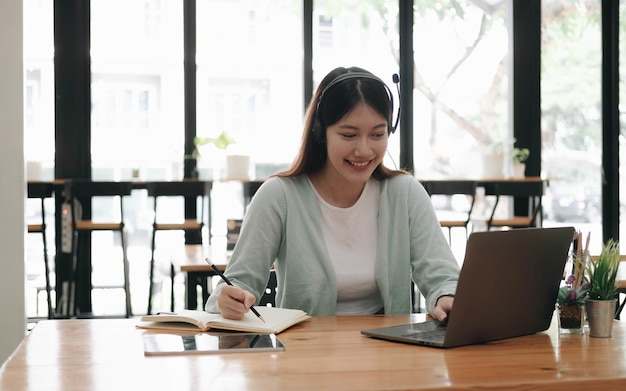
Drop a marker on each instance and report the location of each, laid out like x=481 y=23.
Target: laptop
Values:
x=507 y=288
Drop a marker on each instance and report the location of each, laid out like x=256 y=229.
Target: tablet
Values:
x=159 y=344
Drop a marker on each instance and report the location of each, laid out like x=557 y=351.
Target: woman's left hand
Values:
x=443 y=308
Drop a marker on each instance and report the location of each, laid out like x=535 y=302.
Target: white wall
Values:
x=12 y=186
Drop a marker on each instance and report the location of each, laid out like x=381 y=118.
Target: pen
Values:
x=227 y=281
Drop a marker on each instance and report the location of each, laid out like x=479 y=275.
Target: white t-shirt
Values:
x=351 y=237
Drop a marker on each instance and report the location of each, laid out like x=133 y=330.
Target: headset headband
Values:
x=364 y=75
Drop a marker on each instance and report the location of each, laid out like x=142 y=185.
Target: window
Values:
x=461 y=94
x=622 y=118
x=571 y=116
x=137 y=89
x=249 y=80
x=39 y=89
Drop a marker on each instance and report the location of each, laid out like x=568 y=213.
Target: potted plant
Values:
x=571 y=298
x=492 y=160
x=221 y=142
x=203 y=144
x=602 y=297
x=519 y=157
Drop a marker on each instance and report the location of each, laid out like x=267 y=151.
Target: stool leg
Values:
x=71 y=294
x=129 y=311
x=47 y=271
x=618 y=312
x=151 y=281
x=172 y=273
x=45 y=259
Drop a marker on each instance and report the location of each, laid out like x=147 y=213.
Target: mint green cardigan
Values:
x=282 y=227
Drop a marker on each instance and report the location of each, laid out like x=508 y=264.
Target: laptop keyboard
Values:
x=430 y=331
x=436 y=335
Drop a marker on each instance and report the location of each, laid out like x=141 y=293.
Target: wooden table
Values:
x=529 y=179
x=323 y=353
x=197 y=271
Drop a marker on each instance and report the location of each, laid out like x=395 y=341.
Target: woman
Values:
x=345 y=233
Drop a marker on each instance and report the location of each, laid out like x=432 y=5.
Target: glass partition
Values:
x=622 y=118
x=571 y=116
x=249 y=83
x=137 y=89
x=39 y=89
x=461 y=91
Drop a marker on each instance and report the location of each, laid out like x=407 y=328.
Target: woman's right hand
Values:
x=234 y=302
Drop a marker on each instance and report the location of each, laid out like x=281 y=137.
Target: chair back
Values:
x=186 y=189
x=83 y=188
x=78 y=192
x=249 y=190
x=269 y=296
x=525 y=189
x=40 y=189
x=450 y=187
x=515 y=188
x=183 y=188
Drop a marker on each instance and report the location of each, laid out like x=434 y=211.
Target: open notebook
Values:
x=276 y=321
x=507 y=288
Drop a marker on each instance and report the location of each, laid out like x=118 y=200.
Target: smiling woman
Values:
x=338 y=217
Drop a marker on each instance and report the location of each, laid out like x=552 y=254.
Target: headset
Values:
x=317 y=127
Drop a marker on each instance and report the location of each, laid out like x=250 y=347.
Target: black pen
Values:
x=226 y=280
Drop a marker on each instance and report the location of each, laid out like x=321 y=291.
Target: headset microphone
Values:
x=317 y=130
x=396 y=81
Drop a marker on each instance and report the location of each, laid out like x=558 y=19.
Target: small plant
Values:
x=575 y=290
x=602 y=272
x=221 y=142
x=568 y=295
x=520 y=155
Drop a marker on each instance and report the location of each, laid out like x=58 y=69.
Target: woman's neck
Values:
x=341 y=194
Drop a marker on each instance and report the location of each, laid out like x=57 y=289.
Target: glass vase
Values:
x=571 y=318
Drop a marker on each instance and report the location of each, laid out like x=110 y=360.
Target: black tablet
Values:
x=158 y=344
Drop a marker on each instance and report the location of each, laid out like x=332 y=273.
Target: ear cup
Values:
x=318 y=135
x=317 y=132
